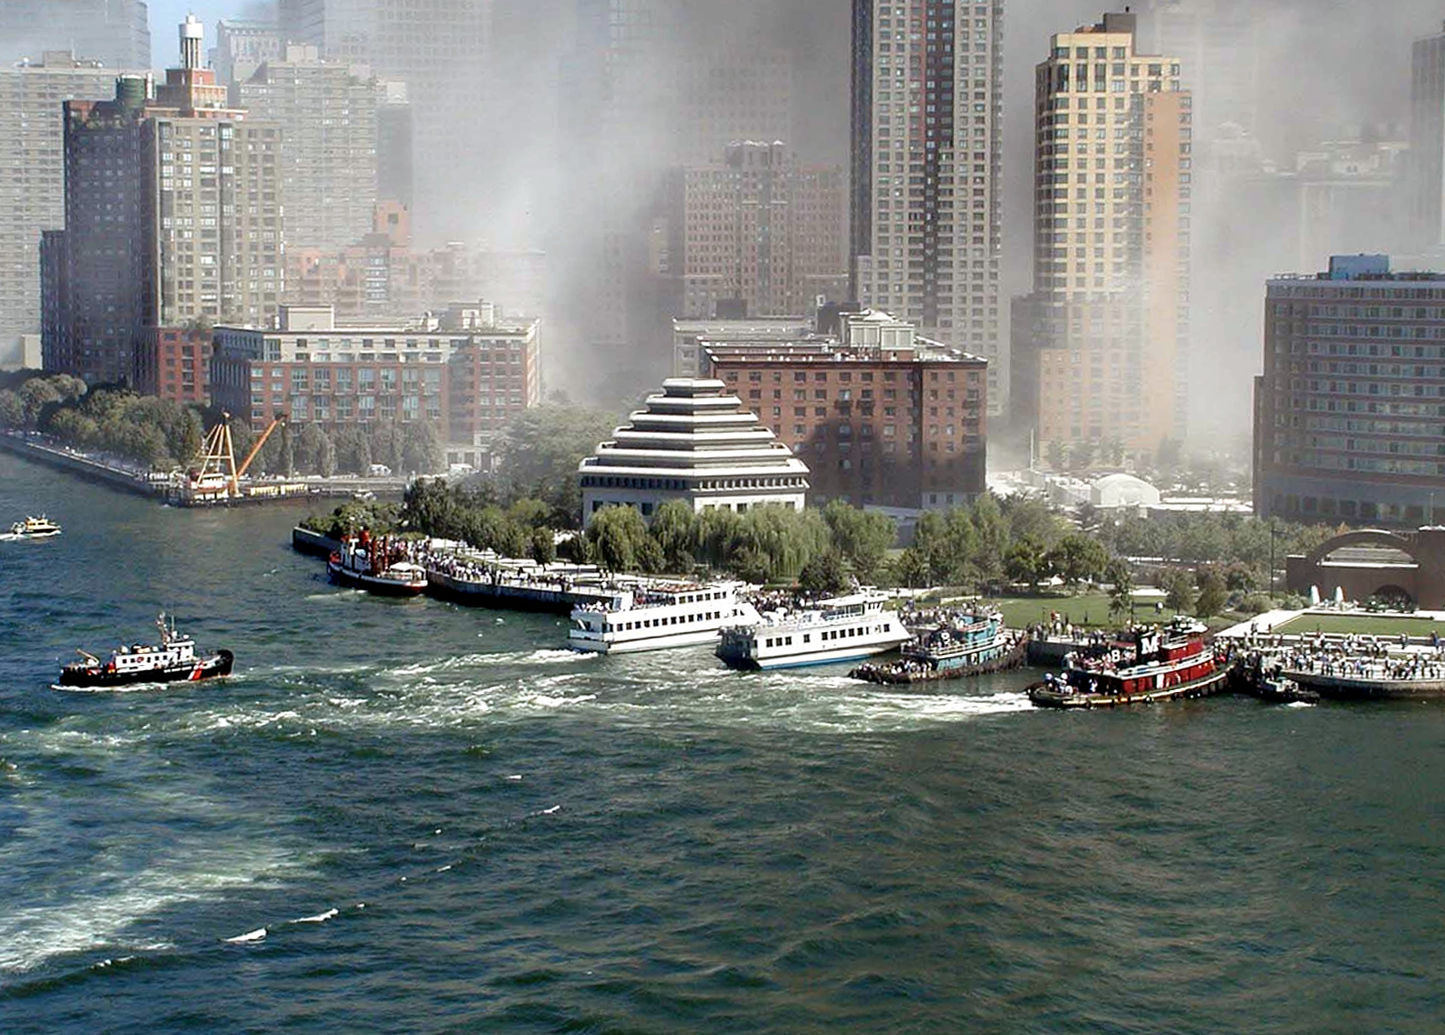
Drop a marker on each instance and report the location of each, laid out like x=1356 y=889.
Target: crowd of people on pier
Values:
x=1357 y=657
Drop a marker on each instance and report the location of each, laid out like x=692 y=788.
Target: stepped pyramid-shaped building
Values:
x=693 y=442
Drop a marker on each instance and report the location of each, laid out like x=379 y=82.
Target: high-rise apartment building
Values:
x=1100 y=347
x=32 y=175
x=441 y=49
x=94 y=273
x=242 y=47
x=742 y=92
x=1350 y=410
x=394 y=159
x=755 y=231
x=172 y=214
x=1427 y=142
x=328 y=113
x=926 y=133
x=114 y=32
x=217 y=220
x=1217 y=43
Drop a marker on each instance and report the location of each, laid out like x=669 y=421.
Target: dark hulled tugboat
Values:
x=173 y=661
x=1142 y=667
x=950 y=645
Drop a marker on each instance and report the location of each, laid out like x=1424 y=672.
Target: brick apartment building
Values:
x=463 y=372
x=174 y=363
x=880 y=415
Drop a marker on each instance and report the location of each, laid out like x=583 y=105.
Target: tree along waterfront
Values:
x=163 y=435
x=992 y=546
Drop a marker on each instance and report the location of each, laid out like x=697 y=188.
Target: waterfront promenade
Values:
x=127 y=476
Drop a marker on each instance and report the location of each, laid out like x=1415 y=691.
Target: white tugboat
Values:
x=33 y=528
x=847 y=628
x=376 y=565
x=175 y=660
x=655 y=616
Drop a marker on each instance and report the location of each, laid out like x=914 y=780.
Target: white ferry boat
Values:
x=838 y=629
x=655 y=616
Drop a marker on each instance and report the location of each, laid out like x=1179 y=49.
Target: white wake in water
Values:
x=545 y=656
x=259 y=934
x=319 y=918
x=98 y=919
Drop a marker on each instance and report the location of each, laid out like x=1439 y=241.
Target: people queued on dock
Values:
x=1352 y=656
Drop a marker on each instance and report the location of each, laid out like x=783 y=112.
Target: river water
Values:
x=442 y=821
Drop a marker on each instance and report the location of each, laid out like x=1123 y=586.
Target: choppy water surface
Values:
x=412 y=817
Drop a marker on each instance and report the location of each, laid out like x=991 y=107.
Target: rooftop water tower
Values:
x=192 y=32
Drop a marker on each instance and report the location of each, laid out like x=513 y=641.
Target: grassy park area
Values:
x=1362 y=625
x=1084 y=609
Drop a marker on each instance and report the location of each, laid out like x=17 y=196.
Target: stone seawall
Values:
x=75 y=463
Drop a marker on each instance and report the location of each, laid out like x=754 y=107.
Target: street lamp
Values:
x=1273 y=531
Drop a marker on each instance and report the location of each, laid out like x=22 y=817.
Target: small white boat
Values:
x=653 y=616
x=847 y=628
x=33 y=528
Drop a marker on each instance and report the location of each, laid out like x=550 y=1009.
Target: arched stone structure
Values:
x=1422 y=579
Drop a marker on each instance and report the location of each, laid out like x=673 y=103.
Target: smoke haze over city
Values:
x=563 y=140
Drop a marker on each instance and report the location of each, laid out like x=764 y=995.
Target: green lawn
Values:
x=1084 y=609
x=1362 y=624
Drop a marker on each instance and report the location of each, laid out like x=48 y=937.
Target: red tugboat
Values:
x=174 y=660
x=377 y=565
x=1142 y=666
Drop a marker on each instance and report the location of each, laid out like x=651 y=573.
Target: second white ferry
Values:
x=839 y=629
x=654 y=616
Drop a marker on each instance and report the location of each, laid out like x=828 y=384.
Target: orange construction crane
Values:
x=218 y=477
x=236 y=478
